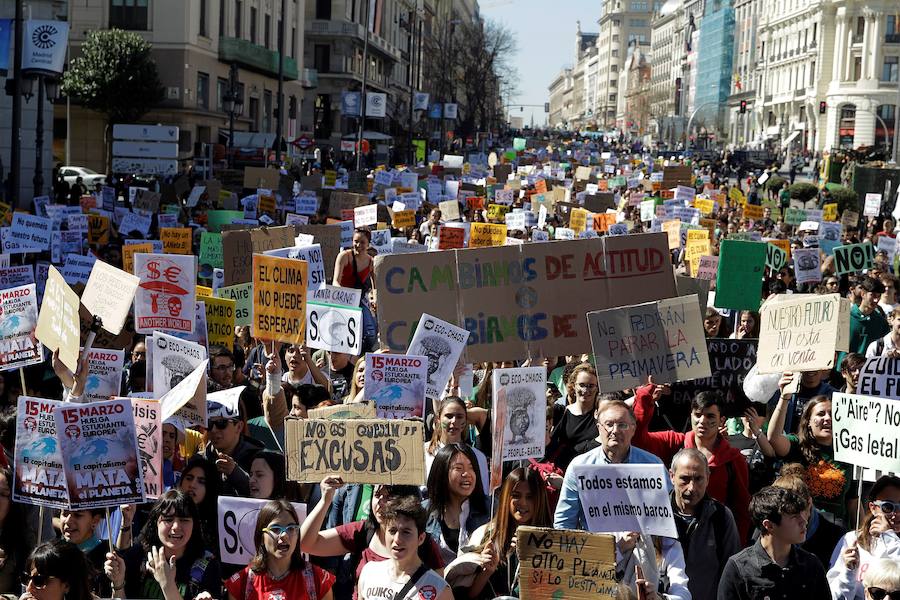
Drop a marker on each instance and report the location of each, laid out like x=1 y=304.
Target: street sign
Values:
x=146 y=133
x=145 y=149
x=144 y=166
x=303 y=142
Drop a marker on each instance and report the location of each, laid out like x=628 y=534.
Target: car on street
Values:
x=89 y=177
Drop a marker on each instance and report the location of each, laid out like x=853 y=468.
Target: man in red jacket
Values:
x=728 y=472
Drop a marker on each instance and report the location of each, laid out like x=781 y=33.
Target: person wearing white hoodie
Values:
x=875 y=539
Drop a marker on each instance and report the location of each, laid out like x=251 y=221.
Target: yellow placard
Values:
x=176 y=240
x=128 y=252
x=704 y=205
x=736 y=195
x=694 y=250
x=203 y=291
x=98 y=229
x=578 y=219
x=483 y=235
x=673 y=231
x=219 y=321
x=830 y=212
x=496 y=212
x=751 y=211
x=6 y=212
x=266 y=205
x=784 y=245
x=279 y=299
x=404 y=218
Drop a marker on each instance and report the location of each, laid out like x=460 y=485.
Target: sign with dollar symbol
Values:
x=165 y=295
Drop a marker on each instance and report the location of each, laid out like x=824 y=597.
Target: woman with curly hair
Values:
x=829 y=481
x=577 y=425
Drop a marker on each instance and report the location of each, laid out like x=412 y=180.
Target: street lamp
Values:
x=48 y=87
x=233 y=103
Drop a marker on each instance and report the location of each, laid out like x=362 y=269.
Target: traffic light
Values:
x=823 y=107
x=743 y=106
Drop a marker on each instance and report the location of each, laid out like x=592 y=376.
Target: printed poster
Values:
x=148 y=429
x=442 y=344
x=104 y=378
x=520 y=409
x=38 y=474
x=395 y=384
x=172 y=360
x=165 y=295
x=19 y=346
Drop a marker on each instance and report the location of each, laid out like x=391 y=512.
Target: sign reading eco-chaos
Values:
x=520 y=300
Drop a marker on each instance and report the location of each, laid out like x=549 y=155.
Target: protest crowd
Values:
x=551 y=369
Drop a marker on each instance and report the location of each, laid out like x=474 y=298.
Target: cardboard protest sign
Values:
x=108 y=294
x=807 y=267
x=520 y=411
x=558 y=563
x=237 y=527
x=672 y=230
x=880 y=376
x=148 y=430
x=853 y=258
x=238 y=248
x=58 y=324
x=104 y=378
x=38 y=474
x=176 y=240
x=801 y=332
x=98 y=230
x=336 y=296
x=210 y=253
x=533 y=299
x=329 y=239
x=357 y=410
x=219 y=321
x=279 y=298
x=165 y=295
x=483 y=235
x=128 y=252
x=260 y=177
x=315 y=266
x=442 y=343
x=739 y=280
x=402 y=219
x=360 y=451
x=776 y=258
x=170 y=360
x=866 y=431
x=99 y=454
x=395 y=385
x=28 y=233
x=664 y=339
x=146 y=201
x=850 y=219
x=708 y=268
x=730 y=361
x=450 y=238
x=242 y=294
x=188 y=398
x=626 y=497
x=334 y=327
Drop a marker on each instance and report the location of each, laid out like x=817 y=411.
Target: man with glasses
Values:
x=616 y=423
x=229 y=449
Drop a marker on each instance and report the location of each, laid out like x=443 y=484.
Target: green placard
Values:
x=740 y=275
x=794 y=216
x=211 y=250
x=518 y=144
x=853 y=258
x=216 y=218
x=242 y=294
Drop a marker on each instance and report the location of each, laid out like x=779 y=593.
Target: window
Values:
x=815 y=28
x=128 y=14
x=640 y=6
x=202 y=29
x=254 y=113
x=238 y=11
x=267 y=112
x=252 y=24
x=892 y=29
x=615 y=53
x=322 y=116
x=615 y=37
x=221 y=18
x=221 y=90
x=889 y=71
x=857 y=68
x=323 y=10
x=322 y=58
x=267 y=31
x=637 y=22
x=203 y=90
x=612 y=97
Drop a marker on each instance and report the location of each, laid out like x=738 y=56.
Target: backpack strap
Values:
x=248 y=584
x=309 y=578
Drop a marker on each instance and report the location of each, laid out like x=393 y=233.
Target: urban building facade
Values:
x=560 y=100
x=714 y=73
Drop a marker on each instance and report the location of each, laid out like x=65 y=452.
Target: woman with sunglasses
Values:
x=363 y=540
x=882 y=580
x=577 y=427
x=279 y=570
x=57 y=570
x=169 y=562
x=876 y=538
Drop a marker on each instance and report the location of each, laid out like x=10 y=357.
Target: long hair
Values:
x=354 y=390
x=809 y=447
x=276 y=462
x=174 y=503
x=267 y=514
x=208 y=508
x=570 y=381
x=68 y=563
x=483 y=398
x=503 y=526
x=863 y=537
x=435 y=442
x=439 y=480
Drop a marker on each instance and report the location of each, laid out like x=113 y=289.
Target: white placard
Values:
x=237 y=526
x=442 y=343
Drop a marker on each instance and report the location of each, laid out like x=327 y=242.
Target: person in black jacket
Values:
x=775 y=567
x=229 y=448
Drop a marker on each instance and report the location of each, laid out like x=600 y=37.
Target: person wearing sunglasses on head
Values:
x=279 y=570
x=876 y=538
x=57 y=570
x=882 y=580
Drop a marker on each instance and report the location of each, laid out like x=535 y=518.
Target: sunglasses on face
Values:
x=279 y=530
x=221 y=424
x=876 y=593
x=37 y=580
x=887 y=507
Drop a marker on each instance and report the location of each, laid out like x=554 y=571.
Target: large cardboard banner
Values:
x=104 y=378
x=664 y=339
x=279 y=299
x=801 y=332
x=880 y=376
x=626 y=498
x=442 y=344
x=165 y=295
x=395 y=385
x=518 y=301
x=866 y=431
x=148 y=430
x=560 y=563
x=237 y=526
x=19 y=344
x=520 y=410
x=100 y=454
x=360 y=451
x=108 y=294
x=39 y=477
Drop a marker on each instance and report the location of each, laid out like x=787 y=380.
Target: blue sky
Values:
x=545 y=32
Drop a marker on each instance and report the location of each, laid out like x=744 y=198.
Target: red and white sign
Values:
x=303 y=142
x=165 y=296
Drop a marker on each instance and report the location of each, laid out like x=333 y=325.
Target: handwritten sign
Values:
x=279 y=298
x=557 y=563
x=483 y=235
x=58 y=325
x=866 y=431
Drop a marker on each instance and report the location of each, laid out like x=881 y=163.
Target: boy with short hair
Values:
x=775 y=567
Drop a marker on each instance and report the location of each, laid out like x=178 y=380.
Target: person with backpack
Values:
x=706 y=528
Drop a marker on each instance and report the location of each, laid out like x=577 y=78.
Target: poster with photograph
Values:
x=395 y=384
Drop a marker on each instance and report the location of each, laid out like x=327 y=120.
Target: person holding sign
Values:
x=775 y=566
x=404 y=576
x=878 y=537
x=279 y=570
x=170 y=561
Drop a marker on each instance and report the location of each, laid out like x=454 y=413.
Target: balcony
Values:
x=348 y=28
x=254 y=57
x=892 y=38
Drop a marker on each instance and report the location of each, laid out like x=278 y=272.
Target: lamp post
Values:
x=233 y=103
x=46 y=87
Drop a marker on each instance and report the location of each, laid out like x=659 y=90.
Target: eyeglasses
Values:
x=877 y=593
x=887 y=506
x=614 y=425
x=37 y=580
x=221 y=423
x=279 y=530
